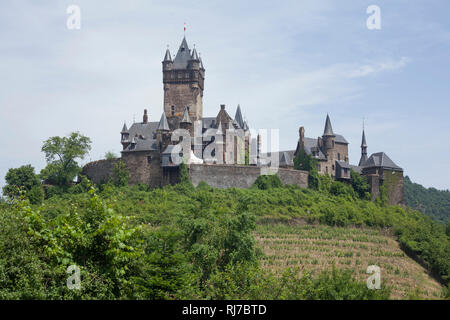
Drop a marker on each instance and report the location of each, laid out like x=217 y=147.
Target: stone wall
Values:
x=99 y=171
x=226 y=176
x=144 y=167
x=394 y=184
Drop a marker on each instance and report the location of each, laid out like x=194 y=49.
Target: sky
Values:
x=287 y=63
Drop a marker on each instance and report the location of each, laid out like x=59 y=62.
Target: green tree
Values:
x=61 y=154
x=110 y=155
x=23 y=179
x=360 y=185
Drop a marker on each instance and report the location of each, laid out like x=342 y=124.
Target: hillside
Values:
x=318 y=247
x=434 y=203
x=181 y=242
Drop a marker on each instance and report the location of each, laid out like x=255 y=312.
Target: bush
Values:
x=265 y=182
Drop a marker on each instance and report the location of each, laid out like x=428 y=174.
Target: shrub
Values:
x=265 y=182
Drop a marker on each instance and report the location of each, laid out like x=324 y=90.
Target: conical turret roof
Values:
x=163 y=125
x=167 y=57
x=328 y=131
x=183 y=56
x=194 y=55
x=186 y=118
x=124 y=128
x=238 y=117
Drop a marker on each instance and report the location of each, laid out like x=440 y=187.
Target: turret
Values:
x=328 y=138
x=162 y=133
x=125 y=136
x=167 y=62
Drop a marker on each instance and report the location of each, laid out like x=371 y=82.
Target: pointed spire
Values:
x=124 y=129
x=163 y=125
x=363 y=142
x=167 y=57
x=328 y=131
x=194 y=55
x=183 y=56
x=363 y=159
x=238 y=117
x=186 y=118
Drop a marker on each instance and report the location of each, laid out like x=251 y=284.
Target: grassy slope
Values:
x=318 y=247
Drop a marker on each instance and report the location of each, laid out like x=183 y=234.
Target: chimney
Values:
x=222 y=107
x=301 y=132
x=145 y=118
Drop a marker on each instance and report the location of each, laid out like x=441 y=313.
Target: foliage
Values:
x=184 y=175
x=266 y=182
x=110 y=155
x=23 y=180
x=360 y=185
x=120 y=174
x=61 y=154
x=434 y=203
x=181 y=242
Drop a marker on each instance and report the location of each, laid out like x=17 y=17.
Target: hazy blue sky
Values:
x=288 y=63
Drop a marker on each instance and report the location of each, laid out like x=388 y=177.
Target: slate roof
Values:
x=144 y=135
x=163 y=125
x=238 y=117
x=194 y=55
x=357 y=169
x=167 y=57
x=311 y=145
x=340 y=139
x=186 y=118
x=286 y=158
x=209 y=122
x=183 y=56
x=380 y=159
x=328 y=131
x=342 y=164
x=124 y=128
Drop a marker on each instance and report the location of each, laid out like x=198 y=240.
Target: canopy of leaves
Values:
x=23 y=180
x=61 y=154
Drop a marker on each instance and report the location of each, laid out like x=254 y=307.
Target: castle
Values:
x=220 y=150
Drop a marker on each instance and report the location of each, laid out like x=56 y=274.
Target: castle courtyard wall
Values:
x=99 y=171
x=227 y=176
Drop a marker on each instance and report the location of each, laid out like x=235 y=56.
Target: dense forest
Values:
x=182 y=242
x=434 y=203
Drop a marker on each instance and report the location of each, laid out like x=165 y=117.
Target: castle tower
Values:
x=183 y=80
x=363 y=150
x=328 y=138
x=162 y=133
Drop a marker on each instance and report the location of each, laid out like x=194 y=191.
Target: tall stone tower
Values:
x=328 y=139
x=183 y=80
